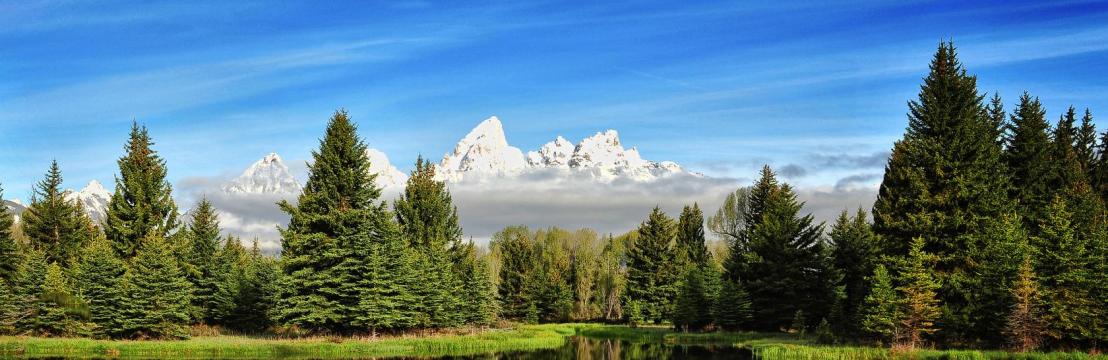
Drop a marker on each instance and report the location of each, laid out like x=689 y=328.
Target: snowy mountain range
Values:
x=483 y=153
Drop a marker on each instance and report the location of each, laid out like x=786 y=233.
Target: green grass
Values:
x=520 y=338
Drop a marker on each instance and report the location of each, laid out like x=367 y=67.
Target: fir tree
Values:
x=28 y=291
x=389 y=284
x=1005 y=251
x=337 y=221
x=1024 y=323
x=1028 y=156
x=156 y=294
x=1085 y=144
x=478 y=302
x=1062 y=265
x=257 y=289
x=918 y=290
x=881 y=311
x=517 y=265
x=98 y=274
x=855 y=254
x=203 y=271
x=229 y=264
x=732 y=307
x=994 y=112
x=51 y=223
x=944 y=181
x=696 y=298
x=651 y=272
x=690 y=236
x=784 y=264
x=59 y=312
x=142 y=205
x=9 y=248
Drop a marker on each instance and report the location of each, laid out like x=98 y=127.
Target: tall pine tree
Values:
x=944 y=181
x=98 y=275
x=856 y=251
x=652 y=275
x=142 y=205
x=9 y=248
x=156 y=294
x=57 y=226
x=1029 y=156
x=202 y=267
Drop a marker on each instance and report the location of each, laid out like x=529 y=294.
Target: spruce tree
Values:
x=999 y=271
x=156 y=294
x=228 y=275
x=478 y=302
x=53 y=224
x=690 y=236
x=257 y=291
x=517 y=265
x=98 y=274
x=855 y=253
x=652 y=274
x=1085 y=144
x=1062 y=265
x=9 y=248
x=203 y=271
x=918 y=289
x=994 y=112
x=784 y=265
x=337 y=221
x=142 y=205
x=60 y=313
x=944 y=181
x=881 y=310
x=28 y=289
x=1029 y=157
x=1024 y=324
x=692 y=309
x=732 y=310
x=389 y=298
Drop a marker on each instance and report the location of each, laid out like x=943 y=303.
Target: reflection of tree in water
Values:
x=580 y=348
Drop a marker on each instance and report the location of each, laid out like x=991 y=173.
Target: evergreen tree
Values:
x=390 y=286
x=1029 y=157
x=1005 y=251
x=785 y=266
x=229 y=266
x=156 y=294
x=517 y=265
x=855 y=254
x=142 y=205
x=881 y=311
x=28 y=291
x=336 y=223
x=651 y=272
x=732 y=307
x=257 y=289
x=994 y=112
x=478 y=302
x=1062 y=264
x=944 y=182
x=1024 y=323
x=1085 y=144
x=9 y=248
x=918 y=290
x=696 y=298
x=97 y=274
x=690 y=236
x=51 y=223
x=202 y=268
x=60 y=313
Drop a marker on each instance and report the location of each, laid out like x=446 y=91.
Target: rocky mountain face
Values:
x=266 y=176
x=94 y=198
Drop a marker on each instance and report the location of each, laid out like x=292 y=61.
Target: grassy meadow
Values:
x=517 y=338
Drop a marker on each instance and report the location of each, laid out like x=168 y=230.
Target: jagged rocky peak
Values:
x=388 y=176
x=484 y=150
x=266 y=176
x=554 y=154
x=94 y=198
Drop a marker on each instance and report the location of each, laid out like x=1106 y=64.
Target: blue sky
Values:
x=817 y=88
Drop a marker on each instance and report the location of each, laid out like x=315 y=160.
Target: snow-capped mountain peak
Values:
x=266 y=176
x=555 y=154
x=388 y=176
x=484 y=150
x=94 y=198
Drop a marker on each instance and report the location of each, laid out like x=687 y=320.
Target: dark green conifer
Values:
x=690 y=236
x=9 y=248
x=692 y=309
x=1085 y=144
x=156 y=294
x=142 y=205
x=58 y=227
x=97 y=276
x=881 y=311
x=478 y=301
x=732 y=310
x=1063 y=264
x=60 y=313
x=855 y=253
x=1006 y=249
x=517 y=264
x=918 y=293
x=1028 y=155
x=202 y=268
x=652 y=275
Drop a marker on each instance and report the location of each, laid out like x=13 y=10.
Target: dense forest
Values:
x=989 y=231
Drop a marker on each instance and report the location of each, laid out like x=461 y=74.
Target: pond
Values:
x=584 y=348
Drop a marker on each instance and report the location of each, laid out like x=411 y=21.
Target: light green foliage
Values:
x=881 y=311
x=142 y=205
x=97 y=276
x=918 y=296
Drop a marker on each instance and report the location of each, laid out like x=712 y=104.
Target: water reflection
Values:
x=583 y=348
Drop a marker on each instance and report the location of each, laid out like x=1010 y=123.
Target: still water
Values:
x=602 y=349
